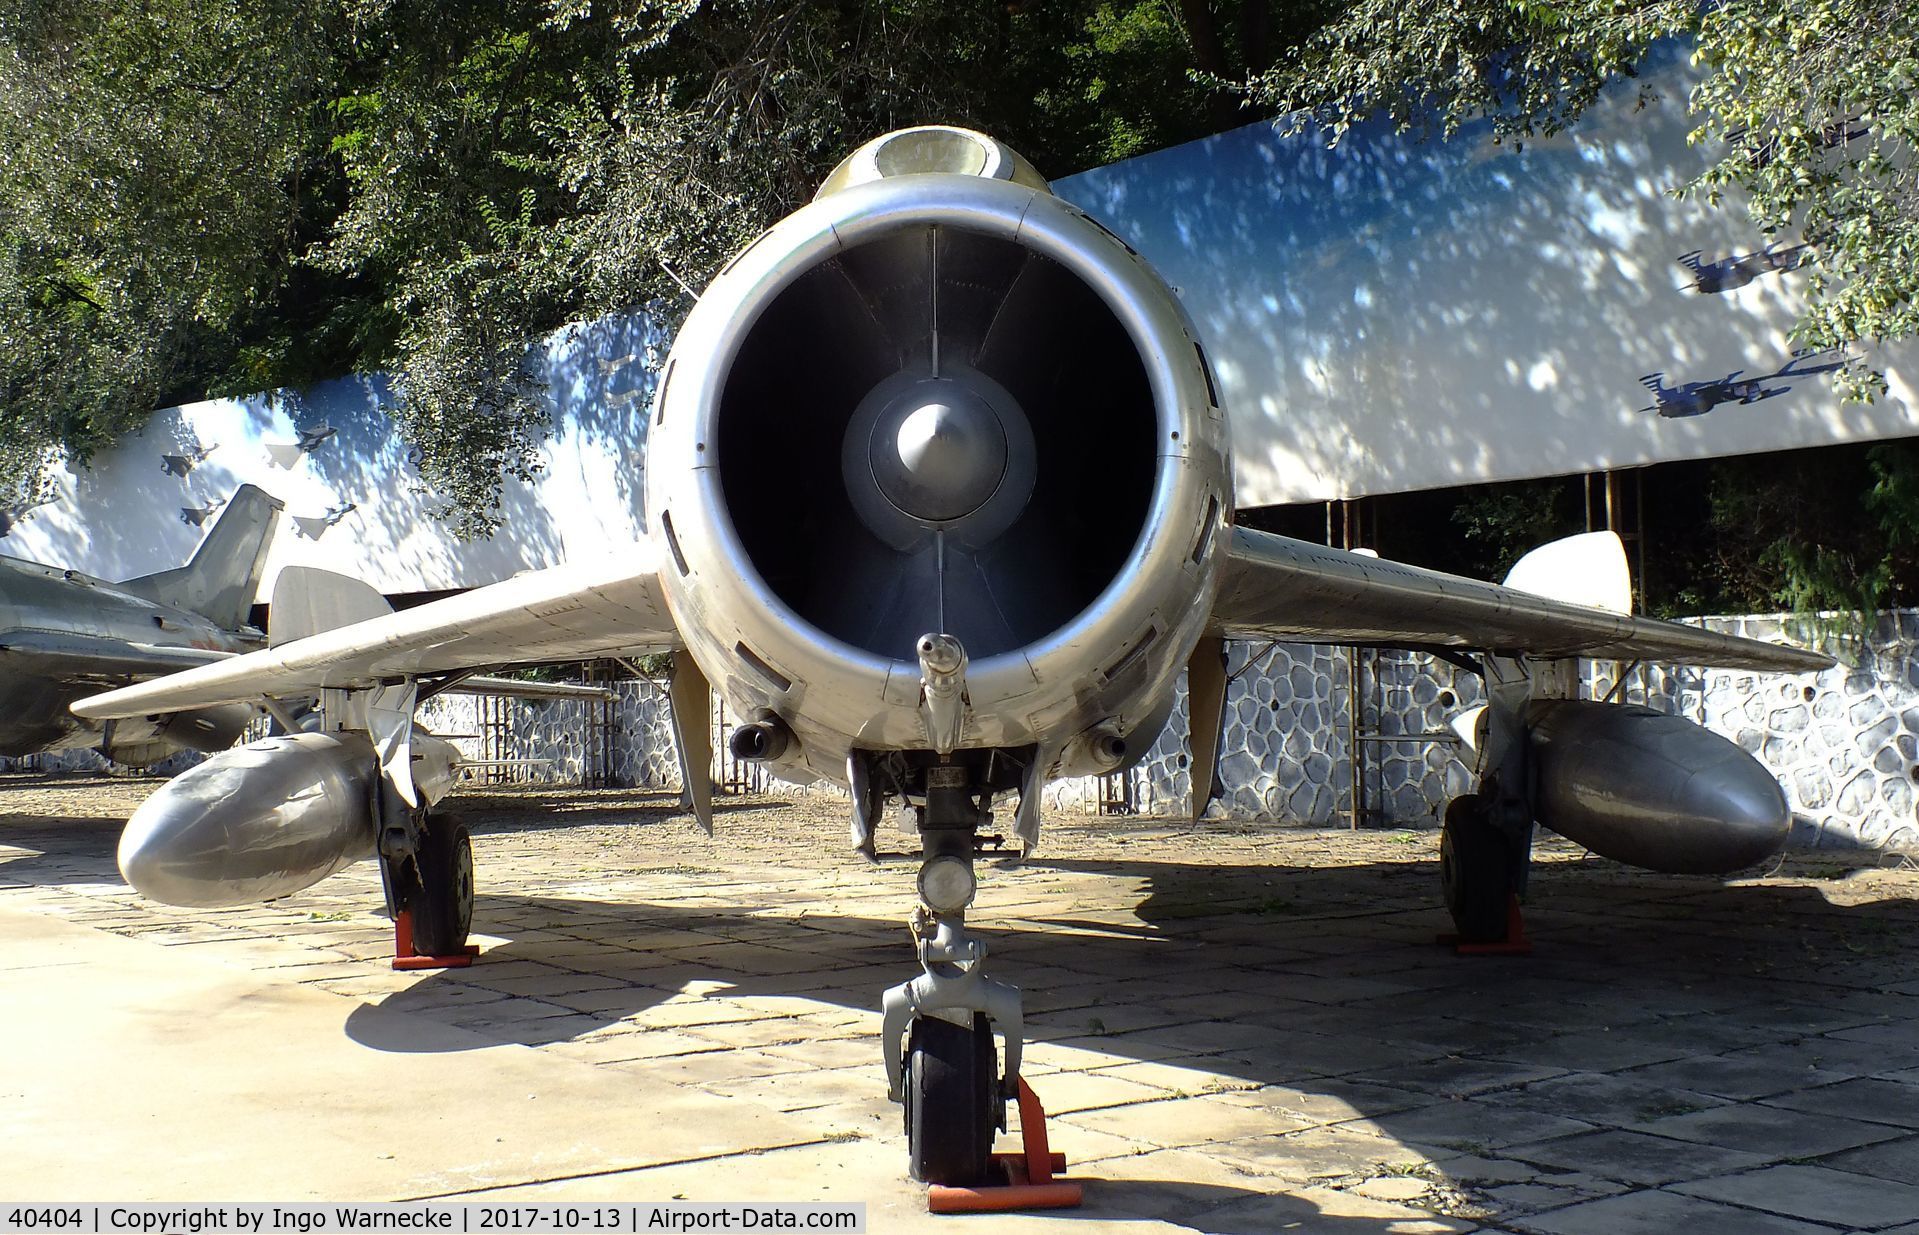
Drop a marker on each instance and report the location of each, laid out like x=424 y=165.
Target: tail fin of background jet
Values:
x=220 y=581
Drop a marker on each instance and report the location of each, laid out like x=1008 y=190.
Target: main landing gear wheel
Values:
x=1475 y=871
x=441 y=898
x=952 y=1100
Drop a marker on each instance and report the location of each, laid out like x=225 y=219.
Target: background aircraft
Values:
x=939 y=499
x=1735 y=271
x=180 y=464
x=289 y=454
x=1698 y=398
x=312 y=527
x=64 y=635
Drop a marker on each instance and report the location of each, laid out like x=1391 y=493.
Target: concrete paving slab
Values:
x=1738 y=1076
x=1465 y=1125
x=1324 y=1211
x=1522 y=1199
x=1598 y=1050
x=1876 y=1100
x=1176 y=1123
x=1663 y=1213
x=1859 y=1202
x=1634 y=1157
x=1609 y=1100
x=1895 y=1160
x=1769 y=1130
x=1323 y=1153
x=1457 y=1077
x=265 y=1095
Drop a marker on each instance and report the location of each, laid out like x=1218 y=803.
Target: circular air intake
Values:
x=937 y=430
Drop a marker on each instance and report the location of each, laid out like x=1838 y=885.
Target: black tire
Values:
x=1475 y=872
x=441 y=898
x=952 y=1101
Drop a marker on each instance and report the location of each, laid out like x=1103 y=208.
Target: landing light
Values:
x=947 y=884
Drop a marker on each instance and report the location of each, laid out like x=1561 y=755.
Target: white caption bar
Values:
x=102 y=1218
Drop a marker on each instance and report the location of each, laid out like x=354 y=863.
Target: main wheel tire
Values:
x=1475 y=871
x=952 y=1100
x=441 y=899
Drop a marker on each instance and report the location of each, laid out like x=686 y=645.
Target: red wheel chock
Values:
x=1516 y=942
x=1029 y=1173
x=404 y=957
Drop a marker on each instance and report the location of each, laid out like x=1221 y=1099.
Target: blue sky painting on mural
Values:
x=1394 y=314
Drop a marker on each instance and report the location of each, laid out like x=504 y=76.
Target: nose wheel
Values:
x=952 y=1100
x=948 y=1075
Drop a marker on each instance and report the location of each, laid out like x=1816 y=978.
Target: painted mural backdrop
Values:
x=1393 y=315
x=353 y=501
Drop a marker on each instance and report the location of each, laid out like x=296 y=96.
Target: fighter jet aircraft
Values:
x=1739 y=269
x=287 y=454
x=312 y=527
x=197 y=516
x=180 y=464
x=1698 y=398
x=64 y=635
x=940 y=499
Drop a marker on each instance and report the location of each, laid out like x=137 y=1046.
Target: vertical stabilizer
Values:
x=220 y=582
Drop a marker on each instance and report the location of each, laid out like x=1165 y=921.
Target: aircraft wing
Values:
x=572 y=612
x=1274 y=587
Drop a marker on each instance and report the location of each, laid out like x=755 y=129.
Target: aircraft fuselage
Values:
x=64 y=635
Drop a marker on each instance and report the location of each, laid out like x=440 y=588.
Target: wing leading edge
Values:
x=1274 y=587
x=570 y=612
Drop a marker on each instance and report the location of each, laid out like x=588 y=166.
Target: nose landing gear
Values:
x=948 y=1075
x=938 y=1028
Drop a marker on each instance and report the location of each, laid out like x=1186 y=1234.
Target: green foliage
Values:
x=1531 y=68
x=200 y=201
x=1831 y=532
x=153 y=159
x=1501 y=523
x=1815 y=110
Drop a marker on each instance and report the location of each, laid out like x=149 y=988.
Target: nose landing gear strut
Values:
x=938 y=1033
x=947 y=1074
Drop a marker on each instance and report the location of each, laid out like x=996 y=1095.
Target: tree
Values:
x=153 y=191
x=195 y=204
